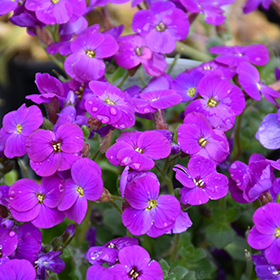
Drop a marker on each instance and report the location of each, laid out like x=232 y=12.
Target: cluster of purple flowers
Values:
x=88 y=104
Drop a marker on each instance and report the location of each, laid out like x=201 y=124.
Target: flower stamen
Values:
x=57 y=147
x=19 y=128
x=212 y=102
x=191 y=91
x=40 y=197
x=90 y=53
x=55 y=1
x=133 y=274
x=277 y=232
x=202 y=142
x=108 y=101
x=160 y=27
x=141 y=151
x=152 y=204
x=80 y=191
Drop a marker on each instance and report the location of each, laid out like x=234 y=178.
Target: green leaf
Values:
x=165 y=268
x=119 y=73
x=190 y=276
x=218 y=214
x=85 y=130
x=179 y=272
x=112 y=220
x=236 y=248
x=220 y=234
x=232 y=214
x=191 y=253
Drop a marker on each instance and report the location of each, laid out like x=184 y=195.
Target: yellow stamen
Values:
x=199 y=183
x=152 y=204
x=56 y=147
x=259 y=86
x=90 y=53
x=277 y=232
x=112 y=245
x=133 y=274
x=55 y=1
x=191 y=91
x=80 y=191
x=160 y=27
x=202 y=142
x=139 y=150
x=19 y=128
x=212 y=102
x=108 y=101
x=40 y=197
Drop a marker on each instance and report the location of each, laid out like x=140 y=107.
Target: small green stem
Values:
x=23 y=167
x=175 y=248
x=249 y=266
x=114 y=197
x=96 y=154
x=177 y=56
x=123 y=80
x=192 y=53
x=86 y=223
x=116 y=206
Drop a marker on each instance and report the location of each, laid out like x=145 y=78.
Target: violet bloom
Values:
x=221 y=102
x=86 y=184
x=266 y=232
x=110 y=105
x=138 y=149
x=97 y=272
x=185 y=84
x=182 y=223
x=234 y=55
x=201 y=181
x=135 y=264
x=247 y=183
x=146 y=209
x=128 y=176
x=17 y=269
x=215 y=68
x=249 y=79
x=252 y=5
x=49 y=87
x=68 y=32
x=109 y=252
x=212 y=10
x=17 y=126
x=161 y=26
x=7 y=6
x=196 y=137
x=36 y=203
x=49 y=261
x=56 y=11
x=269 y=131
x=265 y=270
x=50 y=152
x=29 y=243
x=8 y=239
x=85 y=63
x=133 y=51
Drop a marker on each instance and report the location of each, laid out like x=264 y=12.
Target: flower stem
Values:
x=96 y=154
x=114 y=197
x=116 y=206
x=175 y=248
x=177 y=56
x=86 y=223
x=123 y=80
x=23 y=167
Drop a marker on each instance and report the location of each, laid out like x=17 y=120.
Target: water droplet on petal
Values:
x=113 y=111
x=94 y=109
x=12 y=233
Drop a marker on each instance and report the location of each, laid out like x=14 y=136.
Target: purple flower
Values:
x=37 y=203
x=49 y=261
x=266 y=232
x=49 y=87
x=196 y=137
x=128 y=176
x=50 y=152
x=233 y=56
x=269 y=131
x=201 y=181
x=8 y=239
x=182 y=223
x=97 y=272
x=68 y=32
x=247 y=183
x=85 y=63
x=147 y=210
x=265 y=270
x=221 y=102
x=252 y=5
x=185 y=84
x=161 y=26
x=7 y=6
x=109 y=252
x=215 y=68
x=17 y=269
x=110 y=105
x=212 y=10
x=135 y=264
x=56 y=11
x=17 y=126
x=133 y=51
x=29 y=243
x=138 y=149
x=85 y=184
x=249 y=79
